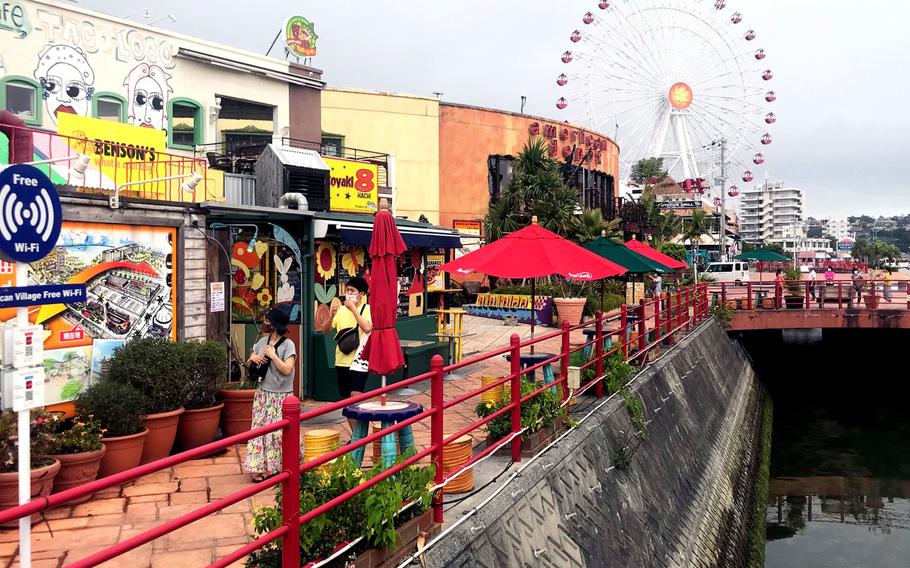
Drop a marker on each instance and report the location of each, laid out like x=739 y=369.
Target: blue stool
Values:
x=392 y=413
x=591 y=335
x=531 y=359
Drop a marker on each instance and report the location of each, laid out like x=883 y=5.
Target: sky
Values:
x=840 y=71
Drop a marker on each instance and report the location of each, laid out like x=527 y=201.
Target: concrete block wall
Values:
x=684 y=499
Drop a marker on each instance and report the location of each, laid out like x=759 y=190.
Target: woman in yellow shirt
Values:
x=354 y=313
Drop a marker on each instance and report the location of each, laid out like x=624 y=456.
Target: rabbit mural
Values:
x=285 y=291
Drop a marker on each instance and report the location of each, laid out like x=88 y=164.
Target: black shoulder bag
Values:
x=348 y=339
x=257 y=371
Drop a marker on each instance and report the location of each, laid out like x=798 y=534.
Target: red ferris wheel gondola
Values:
x=760 y=54
x=758 y=159
x=567 y=57
x=575 y=37
x=561 y=103
x=717 y=201
x=734 y=191
x=588 y=18
x=720 y=5
x=562 y=79
x=770 y=118
x=747 y=176
x=770 y=96
x=766 y=139
x=767 y=75
x=750 y=35
x=603 y=5
x=736 y=18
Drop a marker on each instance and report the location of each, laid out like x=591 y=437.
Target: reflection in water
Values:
x=839 y=494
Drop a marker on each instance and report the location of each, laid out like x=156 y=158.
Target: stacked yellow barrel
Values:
x=454 y=456
x=319 y=442
x=493 y=395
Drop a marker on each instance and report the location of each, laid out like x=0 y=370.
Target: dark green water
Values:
x=839 y=493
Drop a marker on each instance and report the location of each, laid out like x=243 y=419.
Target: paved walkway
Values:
x=116 y=514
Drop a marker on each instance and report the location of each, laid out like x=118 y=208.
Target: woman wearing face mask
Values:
x=263 y=458
x=354 y=313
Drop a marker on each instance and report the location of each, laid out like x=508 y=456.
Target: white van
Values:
x=733 y=271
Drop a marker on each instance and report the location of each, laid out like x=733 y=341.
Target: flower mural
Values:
x=353 y=260
x=326 y=263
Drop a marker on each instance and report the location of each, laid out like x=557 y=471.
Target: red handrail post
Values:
x=840 y=295
x=686 y=307
x=624 y=330
x=564 y=374
x=808 y=301
x=290 y=491
x=599 y=353
x=749 y=296
x=657 y=320
x=515 y=360
x=723 y=293
x=642 y=328
x=436 y=432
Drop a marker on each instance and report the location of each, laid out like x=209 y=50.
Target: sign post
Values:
x=30 y=221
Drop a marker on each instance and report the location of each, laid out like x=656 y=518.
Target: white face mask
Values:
x=352 y=298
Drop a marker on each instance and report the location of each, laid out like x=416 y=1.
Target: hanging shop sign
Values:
x=300 y=36
x=353 y=186
x=468 y=227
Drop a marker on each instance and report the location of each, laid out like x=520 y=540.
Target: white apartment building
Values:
x=772 y=211
x=838 y=228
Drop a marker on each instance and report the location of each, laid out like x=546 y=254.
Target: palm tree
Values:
x=663 y=227
x=695 y=228
x=590 y=224
x=537 y=188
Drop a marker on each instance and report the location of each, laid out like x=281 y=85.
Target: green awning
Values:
x=762 y=255
x=624 y=256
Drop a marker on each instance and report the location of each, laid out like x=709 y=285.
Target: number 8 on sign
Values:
x=364 y=181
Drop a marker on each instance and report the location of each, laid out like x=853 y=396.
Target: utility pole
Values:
x=723 y=200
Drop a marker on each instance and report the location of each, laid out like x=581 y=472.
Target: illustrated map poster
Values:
x=128 y=272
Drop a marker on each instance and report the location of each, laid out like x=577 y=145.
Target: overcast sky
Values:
x=840 y=70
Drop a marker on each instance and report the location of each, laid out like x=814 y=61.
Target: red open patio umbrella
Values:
x=383 y=349
x=533 y=252
x=657 y=256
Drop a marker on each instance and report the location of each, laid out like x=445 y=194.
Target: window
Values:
x=499 y=174
x=332 y=145
x=109 y=106
x=185 y=123
x=21 y=96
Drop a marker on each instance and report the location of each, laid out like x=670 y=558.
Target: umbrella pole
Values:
x=382 y=398
x=533 y=310
x=601 y=295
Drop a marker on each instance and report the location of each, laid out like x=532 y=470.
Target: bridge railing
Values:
x=641 y=330
x=819 y=294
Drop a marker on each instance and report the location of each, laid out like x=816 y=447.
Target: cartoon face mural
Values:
x=147 y=93
x=66 y=80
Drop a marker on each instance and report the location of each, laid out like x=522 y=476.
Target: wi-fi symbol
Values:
x=39 y=214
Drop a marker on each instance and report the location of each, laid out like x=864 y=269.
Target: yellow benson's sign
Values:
x=353 y=186
x=121 y=152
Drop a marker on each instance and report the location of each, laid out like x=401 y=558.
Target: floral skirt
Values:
x=263 y=454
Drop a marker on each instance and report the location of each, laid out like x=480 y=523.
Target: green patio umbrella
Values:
x=622 y=255
x=762 y=255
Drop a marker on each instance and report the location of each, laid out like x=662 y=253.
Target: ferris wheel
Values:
x=674 y=79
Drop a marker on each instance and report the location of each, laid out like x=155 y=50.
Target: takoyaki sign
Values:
x=300 y=36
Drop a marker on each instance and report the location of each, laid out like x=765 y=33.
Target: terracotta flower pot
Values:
x=42 y=482
x=570 y=309
x=197 y=427
x=237 y=415
x=123 y=453
x=162 y=429
x=77 y=469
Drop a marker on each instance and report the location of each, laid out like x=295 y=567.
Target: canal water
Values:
x=839 y=488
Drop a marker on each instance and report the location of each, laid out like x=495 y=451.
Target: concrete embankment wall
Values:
x=681 y=495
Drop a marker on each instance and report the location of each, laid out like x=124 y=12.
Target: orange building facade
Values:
x=477 y=146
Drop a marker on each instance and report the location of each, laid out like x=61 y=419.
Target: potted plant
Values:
x=794 y=297
x=155 y=367
x=543 y=417
x=206 y=363
x=77 y=446
x=117 y=408
x=385 y=533
x=570 y=305
x=237 y=414
x=43 y=467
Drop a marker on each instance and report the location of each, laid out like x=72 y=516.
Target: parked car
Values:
x=733 y=271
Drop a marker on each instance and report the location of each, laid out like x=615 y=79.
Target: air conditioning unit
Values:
x=285 y=169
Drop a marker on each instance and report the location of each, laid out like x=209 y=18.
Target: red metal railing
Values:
x=819 y=264
x=811 y=294
x=114 y=165
x=655 y=321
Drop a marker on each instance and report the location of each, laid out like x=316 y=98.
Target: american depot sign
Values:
x=582 y=141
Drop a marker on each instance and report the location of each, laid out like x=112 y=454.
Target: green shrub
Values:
x=76 y=435
x=723 y=313
x=156 y=368
x=618 y=372
x=117 y=407
x=207 y=366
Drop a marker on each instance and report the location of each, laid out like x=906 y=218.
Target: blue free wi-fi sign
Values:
x=30 y=214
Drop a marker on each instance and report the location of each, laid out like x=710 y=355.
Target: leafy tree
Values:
x=874 y=251
x=696 y=226
x=648 y=169
x=536 y=189
x=662 y=226
x=674 y=250
x=590 y=224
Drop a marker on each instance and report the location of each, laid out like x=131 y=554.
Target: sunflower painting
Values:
x=326 y=263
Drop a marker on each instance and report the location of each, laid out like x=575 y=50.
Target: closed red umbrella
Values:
x=657 y=256
x=383 y=350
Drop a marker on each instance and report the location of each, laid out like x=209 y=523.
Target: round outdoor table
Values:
x=531 y=359
x=591 y=335
x=388 y=414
